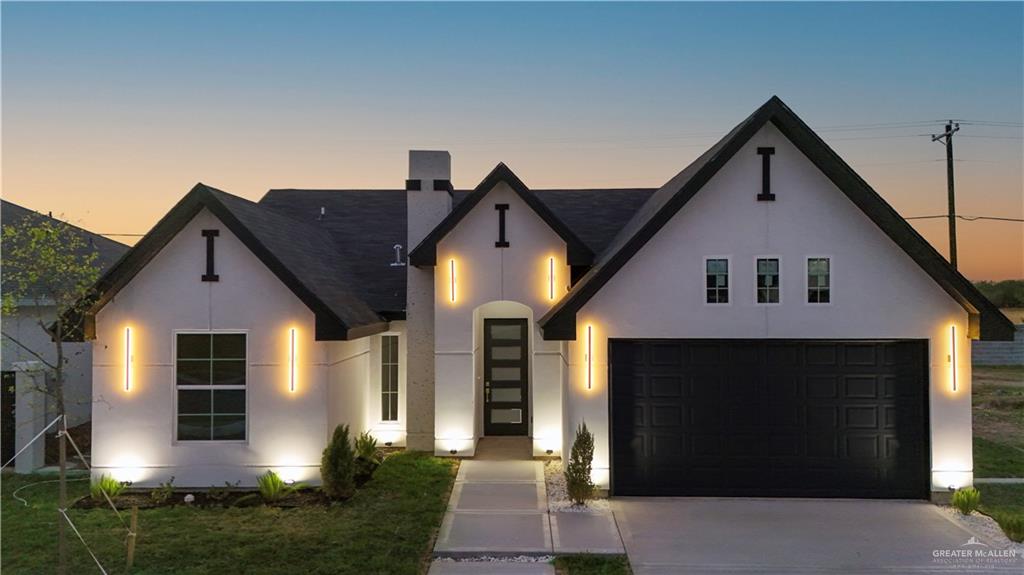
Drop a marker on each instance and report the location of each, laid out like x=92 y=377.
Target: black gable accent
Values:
x=986 y=321
x=302 y=257
x=425 y=254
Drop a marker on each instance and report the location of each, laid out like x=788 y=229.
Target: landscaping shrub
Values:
x=272 y=487
x=221 y=494
x=337 y=466
x=966 y=500
x=367 y=457
x=577 y=473
x=106 y=483
x=163 y=493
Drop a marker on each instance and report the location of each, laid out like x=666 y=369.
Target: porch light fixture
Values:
x=590 y=357
x=952 y=353
x=551 y=278
x=291 y=360
x=127 y=359
x=451 y=265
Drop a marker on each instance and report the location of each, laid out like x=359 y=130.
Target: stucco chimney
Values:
x=428 y=201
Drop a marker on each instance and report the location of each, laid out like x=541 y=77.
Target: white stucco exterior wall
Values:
x=134 y=431
x=516 y=276
x=878 y=292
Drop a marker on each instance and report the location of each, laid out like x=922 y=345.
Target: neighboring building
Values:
x=24 y=327
x=762 y=324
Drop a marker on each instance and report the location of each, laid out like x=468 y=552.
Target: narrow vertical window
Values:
x=768 y=280
x=389 y=378
x=818 y=280
x=716 y=273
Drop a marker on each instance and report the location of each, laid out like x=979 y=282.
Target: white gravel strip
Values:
x=985 y=526
x=503 y=559
x=558 y=498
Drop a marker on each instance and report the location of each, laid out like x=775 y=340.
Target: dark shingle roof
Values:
x=107 y=250
x=367 y=224
x=304 y=257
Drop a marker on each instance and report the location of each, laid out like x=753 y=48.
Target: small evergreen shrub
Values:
x=106 y=483
x=577 y=472
x=337 y=466
x=367 y=457
x=966 y=500
x=221 y=494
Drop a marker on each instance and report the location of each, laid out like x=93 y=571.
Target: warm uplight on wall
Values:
x=451 y=267
x=590 y=357
x=952 y=353
x=551 y=278
x=127 y=359
x=291 y=359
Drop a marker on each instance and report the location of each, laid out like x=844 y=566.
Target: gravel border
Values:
x=558 y=498
x=985 y=526
x=498 y=559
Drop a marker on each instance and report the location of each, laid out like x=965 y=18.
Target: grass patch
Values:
x=1005 y=504
x=387 y=528
x=592 y=565
x=992 y=459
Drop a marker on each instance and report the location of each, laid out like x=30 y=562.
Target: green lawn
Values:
x=592 y=565
x=993 y=459
x=998 y=400
x=387 y=527
x=1005 y=504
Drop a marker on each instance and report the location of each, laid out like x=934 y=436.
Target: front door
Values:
x=505 y=377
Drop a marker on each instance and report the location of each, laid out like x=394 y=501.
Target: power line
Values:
x=967 y=218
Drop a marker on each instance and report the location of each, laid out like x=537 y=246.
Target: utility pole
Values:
x=951 y=128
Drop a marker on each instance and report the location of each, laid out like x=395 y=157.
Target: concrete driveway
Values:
x=794 y=536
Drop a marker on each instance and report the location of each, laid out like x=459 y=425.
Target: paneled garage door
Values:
x=807 y=418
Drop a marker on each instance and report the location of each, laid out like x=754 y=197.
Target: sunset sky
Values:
x=111 y=112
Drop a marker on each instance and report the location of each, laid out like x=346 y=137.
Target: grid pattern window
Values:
x=818 y=280
x=210 y=373
x=767 y=280
x=717 y=280
x=389 y=378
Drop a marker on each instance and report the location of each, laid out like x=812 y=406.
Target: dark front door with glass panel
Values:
x=505 y=377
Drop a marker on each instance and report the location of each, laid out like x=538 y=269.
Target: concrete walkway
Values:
x=499 y=508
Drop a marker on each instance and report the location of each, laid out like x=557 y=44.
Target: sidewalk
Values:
x=499 y=508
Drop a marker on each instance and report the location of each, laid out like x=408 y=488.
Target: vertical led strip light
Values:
x=551 y=278
x=952 y=353
x=451 y=264
x=590 y=357
x=127 y=359
x=291 y=360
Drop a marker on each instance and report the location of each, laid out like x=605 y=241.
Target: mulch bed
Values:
x=241 y=498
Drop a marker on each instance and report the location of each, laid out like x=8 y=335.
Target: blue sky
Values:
x=130 y=103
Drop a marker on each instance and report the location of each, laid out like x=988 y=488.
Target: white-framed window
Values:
x=769 y=286
x=389 y=378
x=819 y=279
x=716 y=280
x=210 y=370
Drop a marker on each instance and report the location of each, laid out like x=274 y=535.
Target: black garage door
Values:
x=777 y=418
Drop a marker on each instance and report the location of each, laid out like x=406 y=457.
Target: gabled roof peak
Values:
x=425 y=254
